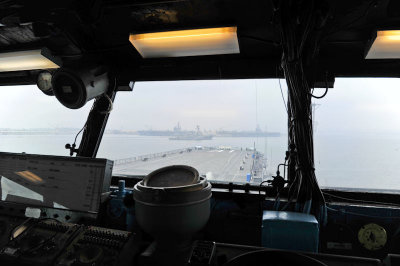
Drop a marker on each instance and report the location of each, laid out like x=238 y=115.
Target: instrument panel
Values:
x=94 y=245
x=50 y=242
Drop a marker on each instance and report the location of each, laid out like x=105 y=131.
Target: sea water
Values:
x=364 y=161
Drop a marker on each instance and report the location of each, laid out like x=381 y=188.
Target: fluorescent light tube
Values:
x=211 y=41
x=385 y=46
x=26 y=60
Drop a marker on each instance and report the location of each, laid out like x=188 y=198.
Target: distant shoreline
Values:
x=46 y=133
x=149 y=133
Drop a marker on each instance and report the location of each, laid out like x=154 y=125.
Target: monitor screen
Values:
x=72 y=183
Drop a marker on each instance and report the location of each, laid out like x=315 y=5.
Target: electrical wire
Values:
x=326 y=89
x=284 y=167
x=110 y=106
x=283 y=98
x=79 y=132
x=259 y=39
x=261 y=185
x=87 y=128
x=295 y=29
x=322 y=96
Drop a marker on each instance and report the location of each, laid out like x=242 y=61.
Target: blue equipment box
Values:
x=290 y=231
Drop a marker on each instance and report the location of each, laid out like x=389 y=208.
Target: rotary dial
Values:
x=372 y=236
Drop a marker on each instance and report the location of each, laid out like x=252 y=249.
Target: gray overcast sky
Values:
x=354 y=105
x=228 y=105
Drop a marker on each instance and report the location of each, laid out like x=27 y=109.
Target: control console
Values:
x=50 y=242
x=95 y=246
x=7 y=226
x=37 y=242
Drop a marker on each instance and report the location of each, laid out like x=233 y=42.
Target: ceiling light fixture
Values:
x=210 y=41
x=28 y=60
x=385 y=46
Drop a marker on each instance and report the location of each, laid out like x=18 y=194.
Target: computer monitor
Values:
x=73 y=183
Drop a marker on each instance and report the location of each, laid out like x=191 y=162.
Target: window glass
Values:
x=356 y=134
x=33 y=122
x=230 y=130
x=215 y=126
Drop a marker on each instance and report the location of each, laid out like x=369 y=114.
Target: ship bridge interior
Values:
x=87 y=52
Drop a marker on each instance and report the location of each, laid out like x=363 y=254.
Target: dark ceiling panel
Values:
x=97 y=31
x=17 y=35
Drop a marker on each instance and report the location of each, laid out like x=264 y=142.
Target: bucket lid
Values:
x=172 y=176
x=174 y=196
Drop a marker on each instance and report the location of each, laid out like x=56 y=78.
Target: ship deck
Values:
x=216 y=164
